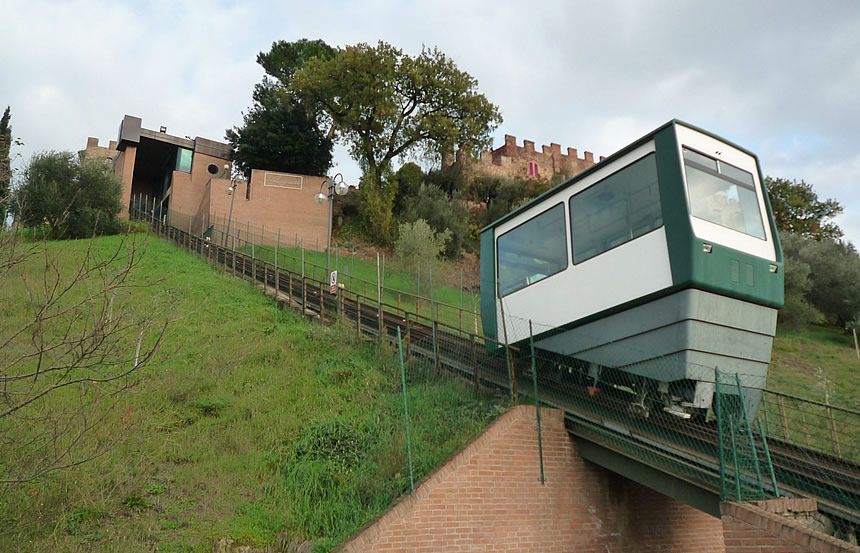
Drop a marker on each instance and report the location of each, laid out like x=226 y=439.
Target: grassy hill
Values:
x=250 y=424
x=254 y=425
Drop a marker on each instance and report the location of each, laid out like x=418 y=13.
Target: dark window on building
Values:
x=621 y=207
x=534 y=170
x=213 y=169
x=183 y=160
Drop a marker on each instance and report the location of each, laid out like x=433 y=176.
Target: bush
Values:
x=442 y=214
x=419 y=244
x=74 y=197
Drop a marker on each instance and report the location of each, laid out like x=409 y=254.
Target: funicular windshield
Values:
x=532 y=251
x=722 y=194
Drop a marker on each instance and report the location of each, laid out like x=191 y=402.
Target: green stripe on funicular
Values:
x=488 y=283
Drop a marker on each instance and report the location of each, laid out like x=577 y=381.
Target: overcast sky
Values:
x=780 y=78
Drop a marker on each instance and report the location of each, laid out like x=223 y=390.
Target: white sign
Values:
x=333 y=282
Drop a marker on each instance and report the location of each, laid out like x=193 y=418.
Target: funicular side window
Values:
x=532 y=251
x=621 y=207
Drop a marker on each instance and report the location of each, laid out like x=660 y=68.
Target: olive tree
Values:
x=385 y=104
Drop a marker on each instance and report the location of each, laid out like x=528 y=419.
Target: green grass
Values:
x=807 y=362
x=820 y=364
x=250 y=424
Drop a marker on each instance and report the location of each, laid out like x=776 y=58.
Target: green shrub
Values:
x=419 y=244
x=442 y=214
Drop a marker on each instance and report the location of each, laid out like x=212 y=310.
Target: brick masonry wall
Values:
x=761 y=528
x=292 y=211
x=488 y=497
x=124 y=167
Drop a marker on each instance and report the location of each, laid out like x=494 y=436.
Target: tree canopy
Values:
x=74 y=197
x=797 y=209
x=279 y=133
x=385 y=104
x=284 y=59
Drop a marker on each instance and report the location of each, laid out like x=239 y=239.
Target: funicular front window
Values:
x=722 y=194
x=532 y=251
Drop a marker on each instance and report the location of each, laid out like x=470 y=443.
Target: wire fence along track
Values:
x=792 y=447
x=288 y=253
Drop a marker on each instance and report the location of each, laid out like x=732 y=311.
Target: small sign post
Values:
x=333 y=282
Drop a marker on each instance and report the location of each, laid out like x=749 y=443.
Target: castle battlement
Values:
x=94 y=151
x=511 y=160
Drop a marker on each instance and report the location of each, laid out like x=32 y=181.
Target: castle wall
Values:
x=513 y=161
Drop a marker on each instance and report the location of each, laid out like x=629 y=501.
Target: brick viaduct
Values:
x=488 y=497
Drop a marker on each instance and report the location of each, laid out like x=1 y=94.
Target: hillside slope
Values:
x=250 y=424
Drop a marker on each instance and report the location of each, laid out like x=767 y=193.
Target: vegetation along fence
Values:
x=753 y=443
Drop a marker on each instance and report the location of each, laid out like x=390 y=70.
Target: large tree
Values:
x=75 y=197
x=5 y=163
x=278 y=132
x=797 y=209
x=386 y=104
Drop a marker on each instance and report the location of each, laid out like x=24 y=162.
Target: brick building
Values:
x=513 y=161
x=189 y=179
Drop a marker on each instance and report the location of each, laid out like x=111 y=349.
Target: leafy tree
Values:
x=386 y=104
x=74 y=197
x=797 y=209
x=450 y=179
x=419 y=246
x=832 y=290
x=409 y=178
x=835 y=276
x=5 y=163
x=279 y=133
x=797 y=311
x=442 y=213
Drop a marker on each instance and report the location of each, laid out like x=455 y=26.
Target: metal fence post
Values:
x=277 y=273
x=437 y=366
x=405 y=410
x=537 y=401
x=720 y=422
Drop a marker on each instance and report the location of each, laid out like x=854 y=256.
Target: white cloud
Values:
x=778 y=77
